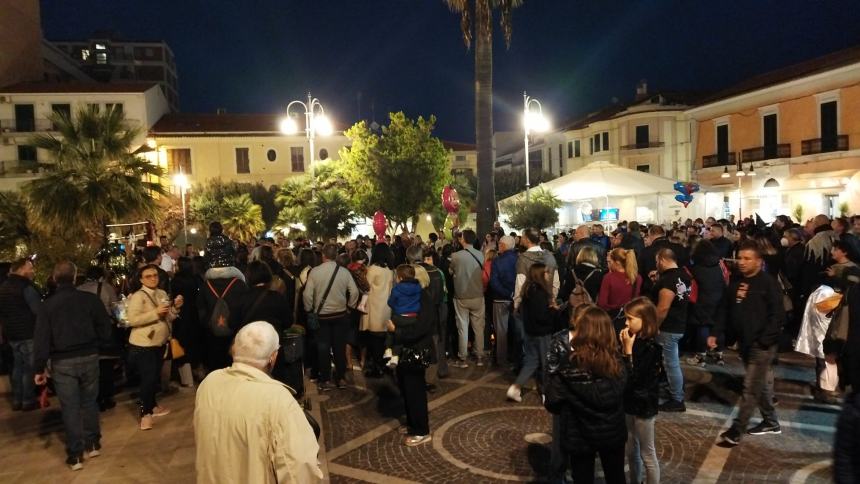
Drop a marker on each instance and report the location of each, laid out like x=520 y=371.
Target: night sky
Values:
x=575 y=56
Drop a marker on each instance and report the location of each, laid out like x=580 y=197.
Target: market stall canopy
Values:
x=604 y=179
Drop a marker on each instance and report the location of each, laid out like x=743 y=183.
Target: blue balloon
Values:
x=681 y=198
x=688 y=198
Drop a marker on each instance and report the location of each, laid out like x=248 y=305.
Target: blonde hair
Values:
x=627 y=259
x=587 y=255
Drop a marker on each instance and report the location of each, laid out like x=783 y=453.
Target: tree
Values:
x=476 y=21
x=325 y=210
x=511 y=182
x=259 y=193
x=541 y=211
x=14 y=224
x=94 y=178
x=402 y=171
x=241 y=217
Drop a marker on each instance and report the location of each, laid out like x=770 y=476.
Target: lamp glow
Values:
x=289 y=126
x=322 y=125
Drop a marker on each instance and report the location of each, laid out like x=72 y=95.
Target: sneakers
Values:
x=697 y=360
x=416 y=440
x=731 y=436
x=388 y=354
x=672 y=406
x=459 y=364
x=514 y=393
x=764 y=428
x=75 y=463
x=146 y=422
x=160 y=411
x=392 y=362
x=94 y=450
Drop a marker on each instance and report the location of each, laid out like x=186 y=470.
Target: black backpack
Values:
x=219 y=319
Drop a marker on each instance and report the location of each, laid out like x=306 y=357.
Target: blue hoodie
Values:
x=405 y=297
x=503 y=276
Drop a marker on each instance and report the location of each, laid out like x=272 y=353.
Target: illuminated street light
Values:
x=316 y=122
x=532 y=121
x=181 y=180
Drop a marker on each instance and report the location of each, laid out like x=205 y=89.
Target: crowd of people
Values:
x=600 y=320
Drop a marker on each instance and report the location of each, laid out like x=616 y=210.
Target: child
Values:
x=643 y=357
x=405 y=302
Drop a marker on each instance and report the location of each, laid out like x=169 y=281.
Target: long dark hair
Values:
x=593 y=345
x=536 y=278
x=381 y=256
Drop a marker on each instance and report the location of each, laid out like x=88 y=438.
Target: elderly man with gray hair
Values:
x=502 y=280
x=248 y=426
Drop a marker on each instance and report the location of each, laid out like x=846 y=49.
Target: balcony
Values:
x=720 y=159
x=18 y=168
x=25 y=125
x=782 y=150
x=642 y=146
x=824 y=145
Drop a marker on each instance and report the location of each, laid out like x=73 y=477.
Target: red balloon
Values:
x=379 y=225
x=450 y=199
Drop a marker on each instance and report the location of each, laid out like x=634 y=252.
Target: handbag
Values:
x=293 y=346
x=176 y=349
x=314 y=316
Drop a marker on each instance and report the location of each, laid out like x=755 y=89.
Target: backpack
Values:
x=219 y=319
x=580 y=295
x=694 y=286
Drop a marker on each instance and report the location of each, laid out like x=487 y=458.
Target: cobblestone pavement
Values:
x=477 y=435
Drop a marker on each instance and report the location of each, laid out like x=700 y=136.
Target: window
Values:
x=591 y=146
x=570 y=149
x=179 y=159
x=26 y=153
x=576 y=152
x=606 y=141
x=271 y=155
x=101 y=57
x=723 y=143
x=297 y=158
x=148 y=52
x=536 y=159
x=243 y=162
x=113 y=106
x=829 y=126
x=560 y=157
x=100 y=47
x=643 y=168
x=93 y=107
x=25 y=118
x=85 y=54
x=460 y=158
x=549 y=157
x=642 y=138
x=64 y=110
x=596 y=139
x=324 y=154
x=769 y=133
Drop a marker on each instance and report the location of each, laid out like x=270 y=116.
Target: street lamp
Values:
x=181 y=181
x=315 y=122
x=532 y=121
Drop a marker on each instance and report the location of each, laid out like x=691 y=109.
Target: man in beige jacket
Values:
x=248 y=426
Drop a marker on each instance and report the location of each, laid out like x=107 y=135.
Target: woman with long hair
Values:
x=586 y=390
x=539 y=311
x=622 y=283
x=587 y=270
x=643 y=358
x=380 y=279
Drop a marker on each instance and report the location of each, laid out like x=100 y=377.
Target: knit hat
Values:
x=220 y=251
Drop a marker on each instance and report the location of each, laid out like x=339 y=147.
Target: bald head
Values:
x=820 y=220
x=255 y=344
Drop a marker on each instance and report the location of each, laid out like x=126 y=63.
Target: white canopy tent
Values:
x=601 y=184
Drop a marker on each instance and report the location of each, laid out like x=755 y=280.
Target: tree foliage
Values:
x=241 y=217
x=259 y=193
x=540 y=211
x=14 y=224
x=94 y=178
x=511 y=182
x=325 y=210
x=402 y=171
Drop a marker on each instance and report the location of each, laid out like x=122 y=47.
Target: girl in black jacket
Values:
x=707 y=271
x=586 y=390
x=539 y=311
x=643 y=359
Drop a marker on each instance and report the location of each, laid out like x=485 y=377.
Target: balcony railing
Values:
x=642 y=146
x=25 y=125
x=720 y=159
x=18 y=168
x=782 y=150
x=824 y=145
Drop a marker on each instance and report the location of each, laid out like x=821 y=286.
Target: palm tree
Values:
x=94 y=178
x=242 y=218
x=476 y=21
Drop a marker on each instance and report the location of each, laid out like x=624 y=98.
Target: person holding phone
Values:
x=150 y=315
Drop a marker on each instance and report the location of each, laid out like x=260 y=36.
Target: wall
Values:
x=20 y=42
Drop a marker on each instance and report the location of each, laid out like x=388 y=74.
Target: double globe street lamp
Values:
x=533 y=120
x=316 y=122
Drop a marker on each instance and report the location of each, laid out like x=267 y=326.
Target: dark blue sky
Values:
x=573 y=55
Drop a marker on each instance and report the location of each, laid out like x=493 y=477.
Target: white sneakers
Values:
x=514 y=393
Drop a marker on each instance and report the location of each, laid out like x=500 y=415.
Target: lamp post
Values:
x=315 y=122
x=181 y=181
x=739 y=175
x=532 y=121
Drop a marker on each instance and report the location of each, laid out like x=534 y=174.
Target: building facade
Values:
x=785 y=142
x=25 y=107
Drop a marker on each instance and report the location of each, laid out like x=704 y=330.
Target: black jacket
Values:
x=591 y=408
x=71 y=324
x=724 y=247
x=756 y=317
x=17 y=319
x=644 y=369
x=577 y=246
x=263 y=304
x=538 y=318
x=235 y=299
x=711 y=287
x=633 y=242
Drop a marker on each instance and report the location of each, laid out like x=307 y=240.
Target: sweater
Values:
x=19 y=303
x=71 y=324
x=467 y=265
x=343 y=293
x=615 y=291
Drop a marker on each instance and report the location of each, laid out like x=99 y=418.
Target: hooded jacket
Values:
x=503 y=276
x=709 y=278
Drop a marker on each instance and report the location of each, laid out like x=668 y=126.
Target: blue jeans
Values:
x=672 y=364
x=534 y=358
x=641 y=450
x=23 y=387
x=76 y=381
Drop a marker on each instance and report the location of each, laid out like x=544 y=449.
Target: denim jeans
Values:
x=76 y=381
x=758 y=387
x=672 y=364
x=23 y=387
x=501 y=317
x=147 y=360
x=534 y=358
x=641 y=450
x=471 y=310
